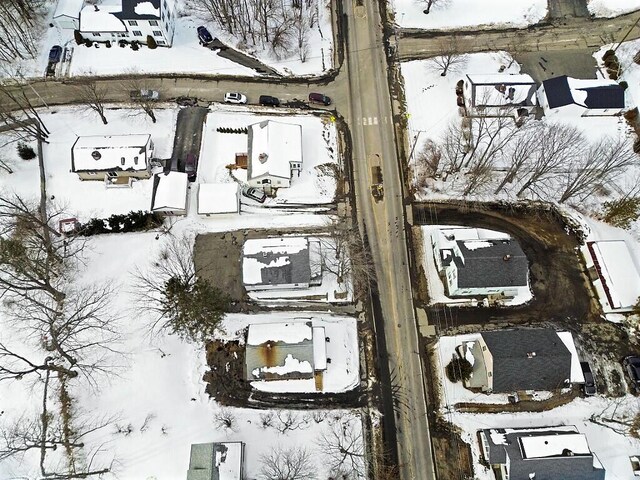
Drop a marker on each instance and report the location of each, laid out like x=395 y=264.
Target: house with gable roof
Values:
x=507 y=361
x=216 y=461
x=546 y=453
x=475 y=262
x=274 y=154
x=109 y=157
x=129 y=20
x=576 y=97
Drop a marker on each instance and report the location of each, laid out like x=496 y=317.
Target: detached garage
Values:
x=67 y=14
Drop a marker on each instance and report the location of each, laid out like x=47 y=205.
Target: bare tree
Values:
x=343 y=447
x=144 y=104
x=603 y=163
x=519 y=154
x=19 y=29
x=451 y=56
x=183 y=302
x=426 y=163
x=93 y=97
x=19 y=112
x=287 y=464
x=432 y=3
x=224 y=419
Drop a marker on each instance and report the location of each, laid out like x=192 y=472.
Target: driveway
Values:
x=578 y=63
x=188 y=135
x=567 y=9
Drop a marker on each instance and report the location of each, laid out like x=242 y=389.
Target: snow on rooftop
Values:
x=171 y=193
x=514 y=89
x=319 y=348
x=274 y=146
x=497 y=78
x=280 y=247
x=576 y=371
x=618 y=272
x=217 y=198
x=290 y=332
x=578 y=86
x=99 y=18
x=542 y=446
x=69 y=8
x=291 y=365
x=471 y=245
x=275 y=244
x=113 y=151
x=230 y=463
x=146 y=8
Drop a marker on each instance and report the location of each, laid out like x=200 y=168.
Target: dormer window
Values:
x=96 y=155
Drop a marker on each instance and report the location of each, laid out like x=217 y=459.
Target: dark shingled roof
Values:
x=559 y=94
x=575 y=467
x=515 y=367
x=486 y=267
x=129 y=10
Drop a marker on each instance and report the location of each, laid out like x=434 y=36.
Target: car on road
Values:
x=191 y=167
x=55 y=54
x=144 y=94
x=268 y=101
x=319 y=99
x=631 y=365
x=254 y=194
x=204 y=36
x=589 y=387
x=187 y=101
x=235 y=97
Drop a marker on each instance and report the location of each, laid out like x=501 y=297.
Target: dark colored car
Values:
x=254 y=194
x=55 y=54
x=632 y=366
x=269 y=101
x=589 y=386
x=319 y=99
x=204 y=36
x=191 y=167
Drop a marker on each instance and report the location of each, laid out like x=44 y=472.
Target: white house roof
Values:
x=577 y=376
x=100 y=19
x=170 y=191
x=319 y=348
x=126 y=152
x=291 y=332
x=146 y=8
x=618 y=272
x=229 y=463
x=272 y=148
x=68 y=8
x=217 y=198
x=503 y=89
x=542 y=446
x=273 y=253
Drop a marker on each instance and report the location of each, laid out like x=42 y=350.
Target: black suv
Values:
x=632 y=367
x=269 y=101
x=589 y=387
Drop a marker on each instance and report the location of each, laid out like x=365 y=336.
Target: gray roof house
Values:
x=590 y=97
x=507 y=361
x=216 y=461
x=549 y=453
x=281 y=263
x=472 y=265
x=284 y=351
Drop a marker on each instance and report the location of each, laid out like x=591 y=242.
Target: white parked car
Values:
x=235 y=97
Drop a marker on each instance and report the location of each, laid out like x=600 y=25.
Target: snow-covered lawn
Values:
x=343 y=372
x=610 y=447
x=612 y=8
x=185 y=56
x=319 y=147
x=451 y=14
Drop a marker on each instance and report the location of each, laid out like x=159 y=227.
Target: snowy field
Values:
x=185 y=56
x=453 y=14
x=154 y=405
x=612 y=8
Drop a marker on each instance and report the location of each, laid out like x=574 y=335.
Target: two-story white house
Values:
x=129 y=20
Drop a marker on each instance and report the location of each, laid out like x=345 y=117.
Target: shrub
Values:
x=624 y=85
x=613 y=73
x=459 y=369
x=135 y=46
x=151 y=42
x=26 y=152
x=108 y=44
x=631 y=115
x=608 y=54
x=78 y=38
x=88 y=43
x=119 y=223
x=622 y=212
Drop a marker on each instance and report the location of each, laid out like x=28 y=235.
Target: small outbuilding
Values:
x=170 y=190
x=500 y=94
x=216 y=461
x=67 y=14
x=218 y=199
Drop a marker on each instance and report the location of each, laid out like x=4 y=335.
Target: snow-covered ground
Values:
x=612 y=8
x=185 y=56
x=342 y=374
x=452 y=14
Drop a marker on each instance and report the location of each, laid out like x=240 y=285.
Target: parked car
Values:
x=204 y=36
x=254 y=194
x=589 y=387
x=632 y=366
x=269 y=101
x=187 y=101
x=235 y=97
x=55 y=54
x=319 y=99
x=144 y=94
x=191 y=167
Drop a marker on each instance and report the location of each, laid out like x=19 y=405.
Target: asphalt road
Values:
x=370 y=119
